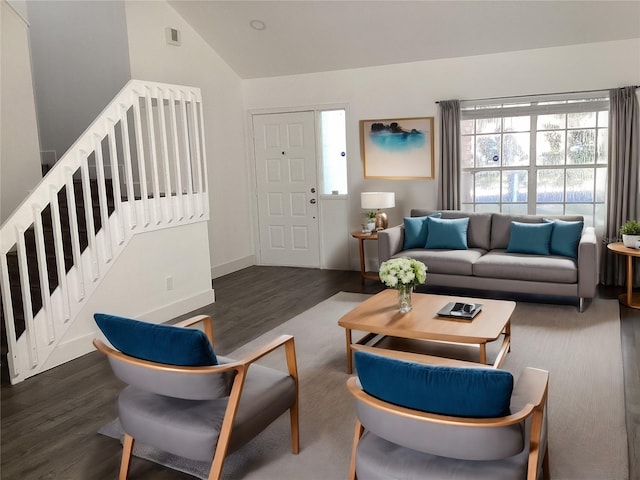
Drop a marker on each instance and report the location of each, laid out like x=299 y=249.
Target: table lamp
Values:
x=377 y=201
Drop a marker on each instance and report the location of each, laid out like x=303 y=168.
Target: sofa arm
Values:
x=390 y=242
x=587 y=264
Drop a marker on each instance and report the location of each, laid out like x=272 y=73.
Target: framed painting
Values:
x=397 y=148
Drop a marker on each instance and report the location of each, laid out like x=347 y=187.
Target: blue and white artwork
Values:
x=397 y=148
x=391 y=137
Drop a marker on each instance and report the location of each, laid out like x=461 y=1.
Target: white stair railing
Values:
x=140 y=166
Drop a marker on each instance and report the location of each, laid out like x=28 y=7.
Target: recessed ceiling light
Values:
x=257 y=24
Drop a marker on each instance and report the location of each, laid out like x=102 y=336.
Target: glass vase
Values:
x=404 y=298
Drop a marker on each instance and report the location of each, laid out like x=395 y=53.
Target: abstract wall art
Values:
x=400 y=148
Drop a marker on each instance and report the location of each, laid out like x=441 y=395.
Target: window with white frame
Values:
x=542 y=155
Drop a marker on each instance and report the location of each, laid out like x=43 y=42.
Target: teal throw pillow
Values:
x=415 y=231
x=565 y=237
x=157 y=343
x=532 y=238
x=447 y=233
x=457 y=391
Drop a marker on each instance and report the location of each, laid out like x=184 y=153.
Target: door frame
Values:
x=253 y=179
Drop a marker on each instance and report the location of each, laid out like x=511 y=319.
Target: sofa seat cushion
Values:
x=452 y=262
x=519 y=266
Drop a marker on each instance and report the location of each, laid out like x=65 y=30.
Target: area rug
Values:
x=587 y=436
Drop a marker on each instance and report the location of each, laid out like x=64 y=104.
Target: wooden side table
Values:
x=361 y=238
x=628 y=299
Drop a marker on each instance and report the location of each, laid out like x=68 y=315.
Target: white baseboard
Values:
x=234 y=266
x=181 y=307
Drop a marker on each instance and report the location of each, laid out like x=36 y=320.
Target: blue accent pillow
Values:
x=447 y=233
x=565 y=237
x=532 y=238
x=415 y=231
x=157 y=343
x=457 y=391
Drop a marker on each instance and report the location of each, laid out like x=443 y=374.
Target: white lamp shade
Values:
x=374 y=200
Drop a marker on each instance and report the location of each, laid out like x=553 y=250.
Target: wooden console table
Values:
x=628 y=299
x=361 y=238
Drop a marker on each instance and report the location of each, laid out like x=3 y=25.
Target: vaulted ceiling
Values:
x=294 y=37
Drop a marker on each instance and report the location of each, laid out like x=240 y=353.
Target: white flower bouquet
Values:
x=403 y=272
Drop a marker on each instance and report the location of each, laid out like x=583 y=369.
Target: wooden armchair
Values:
x=202 y=412
x=393 y=441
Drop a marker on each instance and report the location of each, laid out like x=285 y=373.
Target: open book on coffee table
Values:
x=460 y=310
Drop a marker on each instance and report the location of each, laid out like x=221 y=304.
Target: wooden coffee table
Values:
x=379 y=317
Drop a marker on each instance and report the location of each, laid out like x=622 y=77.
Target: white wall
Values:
x=19 y=152
x=80 y=61
x=149 y=258
x=411 y=90
x=194 y=63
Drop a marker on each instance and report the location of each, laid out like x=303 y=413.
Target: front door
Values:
x=285 y=153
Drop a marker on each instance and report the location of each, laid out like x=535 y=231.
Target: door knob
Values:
x=313 y=190
x=313 y=200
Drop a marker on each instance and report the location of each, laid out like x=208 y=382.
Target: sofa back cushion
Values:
x=479 y=231
x=501 y=226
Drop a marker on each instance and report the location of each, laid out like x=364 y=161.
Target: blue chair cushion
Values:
x=532 y=238
x=455 y=391
x=447 y=233
x=415 y=231
x=565 y=237
x=157 y=343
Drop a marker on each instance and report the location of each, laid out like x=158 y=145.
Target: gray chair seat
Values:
x=190 y=428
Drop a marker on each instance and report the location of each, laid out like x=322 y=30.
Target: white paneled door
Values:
x=285 y=153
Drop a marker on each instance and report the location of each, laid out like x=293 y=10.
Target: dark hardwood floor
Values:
x=49 y=422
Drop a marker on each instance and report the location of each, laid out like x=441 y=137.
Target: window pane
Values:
x=550 y=186
x=334 y=151
x=516 y=124
x=603 y=119
x=550 y=209
x=466 y=187
x=488 y=208
x=603 y=145
x=488 y=125
x=514 y=186
x=550 y=148
x=468 y=143
x=580 y=185
x=599 y=217
x=581 y=146
x=584 y=209
x=515 y=149
x=515 y=208
x=487 y=150
x=551 y=122
x=466 y=127
x=487 y=187
x=601 y=184
x=581 y=120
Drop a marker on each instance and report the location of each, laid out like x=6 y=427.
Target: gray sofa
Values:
x=487 y=266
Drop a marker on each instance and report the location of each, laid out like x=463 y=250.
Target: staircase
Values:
x=50 y=255
x=139 y=167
